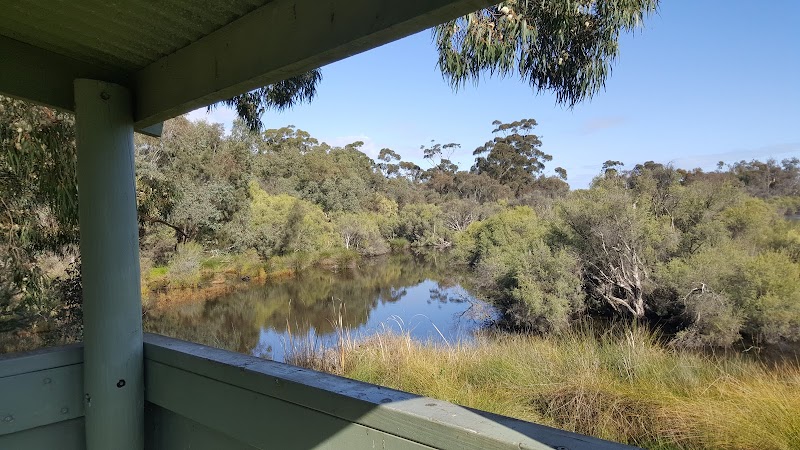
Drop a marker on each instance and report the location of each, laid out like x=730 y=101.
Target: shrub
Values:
x=545 y=290
x=511 y=227
x=158 y=245
x=423 y=225
x=767 y=289
x=760 y=291
x=398 y=244
x=786 y=238
x=282 y=225
x=714 y=322
x=361 y=232
x=247 y=263
x=537 y=288
x=184 y=267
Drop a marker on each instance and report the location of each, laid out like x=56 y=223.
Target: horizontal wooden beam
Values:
x=279 y=40
x=256 y=420
x=46 y=78
x=42 y=397
x=43 y=77
x=249 y=401
x=46 y=358
x=66 y=435
x=165 y=429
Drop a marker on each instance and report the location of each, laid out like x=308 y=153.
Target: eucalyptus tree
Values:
x=38 y=199
x=388 y=165
x=564 y=46
x=514 y=156
x=192 y=180
x=611 y=168
x=440 y=156
x=339 y=179
x=769 y=178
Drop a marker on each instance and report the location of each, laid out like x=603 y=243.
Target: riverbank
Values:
x=623 y=385
x=195 y=277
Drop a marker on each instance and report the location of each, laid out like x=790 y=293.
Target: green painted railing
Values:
x=204 y=398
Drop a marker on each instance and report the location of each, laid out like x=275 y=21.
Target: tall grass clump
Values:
x=184 y=267
x=622 y=385
x=309 y=351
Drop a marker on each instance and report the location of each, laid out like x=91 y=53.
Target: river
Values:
x=419 y=295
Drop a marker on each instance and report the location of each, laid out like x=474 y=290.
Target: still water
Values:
x=402 y=293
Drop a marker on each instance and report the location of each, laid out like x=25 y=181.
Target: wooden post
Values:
x=112 y=309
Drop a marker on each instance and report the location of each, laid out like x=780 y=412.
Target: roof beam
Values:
x=40 y=76
x=33 y=74
x=276 y=41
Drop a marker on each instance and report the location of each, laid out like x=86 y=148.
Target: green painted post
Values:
x=112 y=309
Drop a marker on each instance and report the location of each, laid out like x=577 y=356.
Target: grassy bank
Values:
x=622 y=386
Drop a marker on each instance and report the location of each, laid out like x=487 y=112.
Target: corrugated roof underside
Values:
x=120 y=34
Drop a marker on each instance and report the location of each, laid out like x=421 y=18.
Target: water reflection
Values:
x=419 y=295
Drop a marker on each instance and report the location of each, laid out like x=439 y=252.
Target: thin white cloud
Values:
x=597 y=124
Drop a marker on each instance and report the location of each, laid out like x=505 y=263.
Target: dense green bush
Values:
x=282 y=224
x=766 y=289
x=361 y=232
x=423 y=225
x=538 y=288
x=730 y=291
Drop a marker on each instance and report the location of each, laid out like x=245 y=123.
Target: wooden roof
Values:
x=179 y=55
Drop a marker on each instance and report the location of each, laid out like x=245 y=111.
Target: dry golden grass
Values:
x=623 y=386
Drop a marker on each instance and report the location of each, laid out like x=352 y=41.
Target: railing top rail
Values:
x=425 y=420
x=46 y=358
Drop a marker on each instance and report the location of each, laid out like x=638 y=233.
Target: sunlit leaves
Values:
x=564 y=46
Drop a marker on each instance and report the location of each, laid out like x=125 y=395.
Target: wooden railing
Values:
x=204 y=398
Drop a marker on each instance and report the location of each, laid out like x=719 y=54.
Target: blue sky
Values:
x=702 y=81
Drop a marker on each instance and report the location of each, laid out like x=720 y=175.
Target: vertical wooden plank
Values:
x=113 y=349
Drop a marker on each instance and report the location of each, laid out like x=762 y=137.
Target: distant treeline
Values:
x=706 y=255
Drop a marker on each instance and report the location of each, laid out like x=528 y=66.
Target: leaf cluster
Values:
x=564 y=46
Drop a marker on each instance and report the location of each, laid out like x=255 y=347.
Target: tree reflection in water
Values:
x=402 y=292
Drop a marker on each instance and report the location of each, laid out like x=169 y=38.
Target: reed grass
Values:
x=622 y=385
